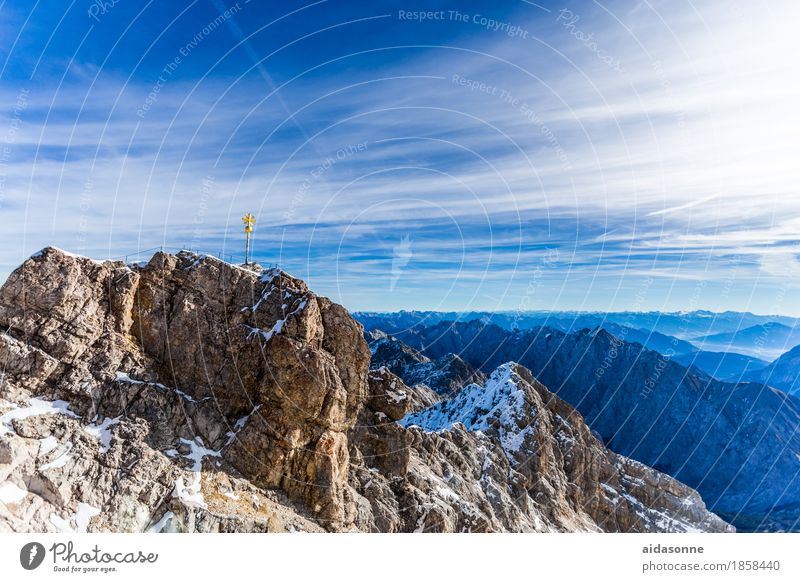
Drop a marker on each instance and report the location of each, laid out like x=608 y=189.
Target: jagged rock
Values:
x=511 y=455
x=189 y=394
x=114 y=340
x=444 y=376
x=738 y=444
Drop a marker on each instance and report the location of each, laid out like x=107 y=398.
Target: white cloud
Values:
x=690 y=154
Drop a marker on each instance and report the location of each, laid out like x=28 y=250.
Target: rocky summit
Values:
x=189 y=394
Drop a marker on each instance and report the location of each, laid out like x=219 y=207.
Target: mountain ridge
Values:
x=694 y=427
x=781 y=373
x=189 y=394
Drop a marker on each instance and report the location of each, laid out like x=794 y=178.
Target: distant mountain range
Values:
x=683 y=325
x=727 y=366
x=727 y=346
x=738 y=444
x=765 y=341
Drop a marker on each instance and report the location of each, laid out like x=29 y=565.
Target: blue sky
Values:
x=550 y=155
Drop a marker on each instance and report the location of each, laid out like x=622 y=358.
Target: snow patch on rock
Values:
x=11 y=493
x=36 y=407
x=60 y=460
x=500 y=404
x=190 y=494
x=102 y=432
x=163 y=523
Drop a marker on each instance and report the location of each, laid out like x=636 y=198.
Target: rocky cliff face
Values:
x=194 y=395
x=738 y=444
x=444 y=376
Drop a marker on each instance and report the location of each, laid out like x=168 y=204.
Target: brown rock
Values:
x=203 y=396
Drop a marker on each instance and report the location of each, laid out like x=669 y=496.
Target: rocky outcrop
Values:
x=444 y=376
x=516 y=457
x=189 y=394
x=261 y=342
x=738 y=444
x=211 y=362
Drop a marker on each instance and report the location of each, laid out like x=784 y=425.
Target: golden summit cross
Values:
x=249 y=220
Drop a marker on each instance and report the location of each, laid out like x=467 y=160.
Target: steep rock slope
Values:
x=223 y=371
x=445 y=375
x=737 y=444
x=194 y=395
x=529 y=463
x=560 y=471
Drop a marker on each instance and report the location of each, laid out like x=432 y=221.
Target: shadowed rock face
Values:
x=444 y=376
x=194 y=395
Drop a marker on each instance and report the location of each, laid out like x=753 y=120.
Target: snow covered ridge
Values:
x=42 y=252
x=473 y=405
x=544 y=438
x=500 y=403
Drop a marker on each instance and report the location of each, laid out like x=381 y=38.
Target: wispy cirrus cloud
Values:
x=483 y=150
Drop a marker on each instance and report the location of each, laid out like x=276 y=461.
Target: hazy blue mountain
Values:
x=726 y=366
x=765 y=341
x=783 y=373
x=737 y=444
x=660 y=342
x=682 y=325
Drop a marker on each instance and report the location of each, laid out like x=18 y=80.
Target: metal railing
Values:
x=226 y=257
